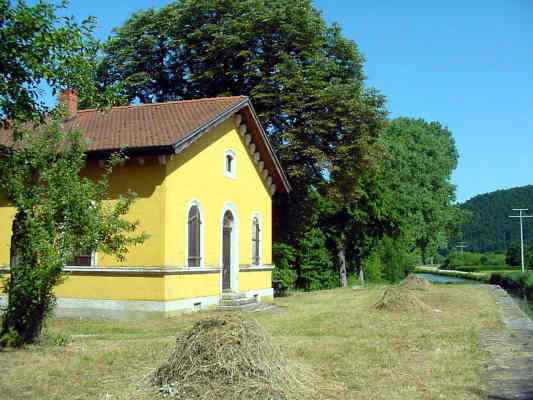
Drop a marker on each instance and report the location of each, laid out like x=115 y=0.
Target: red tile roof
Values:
x=149 y=125
x=161 y=127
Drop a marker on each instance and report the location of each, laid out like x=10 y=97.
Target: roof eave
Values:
x=272 y=154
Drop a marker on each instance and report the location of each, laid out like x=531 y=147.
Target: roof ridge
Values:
x=168 y=102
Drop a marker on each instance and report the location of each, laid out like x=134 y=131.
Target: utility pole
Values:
x=521 y=215
x=462 y=246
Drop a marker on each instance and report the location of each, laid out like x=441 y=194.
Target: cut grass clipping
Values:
x=229 y=356
x=397 y=298
x=413 y=282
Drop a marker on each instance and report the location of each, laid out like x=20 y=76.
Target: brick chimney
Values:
x=69 y=99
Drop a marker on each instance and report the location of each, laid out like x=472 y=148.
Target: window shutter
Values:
x=194 y=237
x=256 y=234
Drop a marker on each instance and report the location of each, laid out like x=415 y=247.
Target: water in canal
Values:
x=523 y=302
x=434 y=278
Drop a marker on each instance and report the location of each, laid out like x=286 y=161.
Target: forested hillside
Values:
x=490 y=228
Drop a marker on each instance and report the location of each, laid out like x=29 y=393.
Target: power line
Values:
x=521 y=216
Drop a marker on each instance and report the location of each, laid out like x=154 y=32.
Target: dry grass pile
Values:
x=397 y=298
x=230 y=357
x=413 y=282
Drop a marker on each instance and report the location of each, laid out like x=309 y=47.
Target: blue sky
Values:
x=469 y=67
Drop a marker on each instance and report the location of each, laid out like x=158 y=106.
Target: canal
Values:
x=523 y=302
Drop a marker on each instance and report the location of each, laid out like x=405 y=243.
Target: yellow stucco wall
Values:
x=147 y=181
x=149 y=209
x=251 y=280
x=7 y=214
x=151 y=288
x=165 y=193
x=198 y=174
x=104 y=287
x=193 y=285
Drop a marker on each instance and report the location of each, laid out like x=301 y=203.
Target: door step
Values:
x=230 y=301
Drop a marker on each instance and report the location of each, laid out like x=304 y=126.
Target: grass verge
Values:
x=356 y=351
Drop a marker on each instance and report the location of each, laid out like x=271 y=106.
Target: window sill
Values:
x=249 y=268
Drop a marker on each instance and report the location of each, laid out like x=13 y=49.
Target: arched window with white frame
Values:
x=230 y=164
x=194 y=222
x=256 y=241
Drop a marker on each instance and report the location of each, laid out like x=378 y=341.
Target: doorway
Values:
x=227 y=245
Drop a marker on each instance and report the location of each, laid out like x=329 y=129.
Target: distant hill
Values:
x=491 y=229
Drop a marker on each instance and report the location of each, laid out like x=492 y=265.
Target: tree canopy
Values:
x=38 y=48
x=419 y=159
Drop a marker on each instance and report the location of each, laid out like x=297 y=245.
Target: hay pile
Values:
x=229 y=357
x=397 y=298
x=413 y=282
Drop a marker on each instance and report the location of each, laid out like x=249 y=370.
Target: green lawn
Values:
x=356 y=351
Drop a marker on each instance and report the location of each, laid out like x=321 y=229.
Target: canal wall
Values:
x=508 y=374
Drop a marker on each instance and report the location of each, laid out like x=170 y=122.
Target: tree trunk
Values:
x=15 y=228
x=26 y=307
x=343 y=274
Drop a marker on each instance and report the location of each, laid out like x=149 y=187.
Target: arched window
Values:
x=256 y=242
x=230 y=164
x=194 y=258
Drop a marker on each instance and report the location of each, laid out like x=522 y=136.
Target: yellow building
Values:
x=205 y=175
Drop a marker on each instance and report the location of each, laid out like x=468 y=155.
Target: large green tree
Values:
x=304 y=77
x=419 y=158
x=39 y=49
x=58 y=213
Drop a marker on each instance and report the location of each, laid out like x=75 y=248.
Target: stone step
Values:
x=245 y=307
x=232 y=295
x=231 y=301
x=237 y=302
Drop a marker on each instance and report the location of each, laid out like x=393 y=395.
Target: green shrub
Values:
x=54 y=339
x=284 y=257
x=458 y=260
x=389 y=261
x=373 y=268
x=11 y=338
x=317 y=269
x=514 y=281
x=513 y=257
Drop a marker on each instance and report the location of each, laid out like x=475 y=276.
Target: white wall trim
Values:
x=141 y=270
x=195 y=202
x=137 y=309
x=235 y=241
x=255 y=268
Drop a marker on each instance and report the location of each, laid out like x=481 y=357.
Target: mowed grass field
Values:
x=355 y=351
